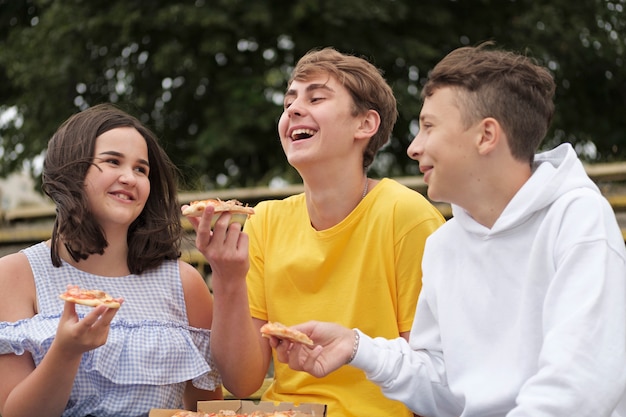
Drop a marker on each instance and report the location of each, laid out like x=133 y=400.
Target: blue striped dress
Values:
x=151 y=350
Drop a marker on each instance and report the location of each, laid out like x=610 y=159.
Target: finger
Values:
x=203 y=229
x=107 y=317
x=274 y=341
x=194 y=221
x=69 y=311
x=222 y=228
x=294 y=359
x=93 y=316
x=243 y=242
x=308 y=362
x=233 y=235
x=283 y=350
x=191 y=219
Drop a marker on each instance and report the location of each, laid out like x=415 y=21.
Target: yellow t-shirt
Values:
x=364 y=272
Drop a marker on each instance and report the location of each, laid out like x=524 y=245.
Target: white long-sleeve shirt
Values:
x=527 y=318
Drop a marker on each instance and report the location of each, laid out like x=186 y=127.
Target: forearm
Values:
x=193 y=395
x=236 y=344
x=50 y=383
x=415 y=378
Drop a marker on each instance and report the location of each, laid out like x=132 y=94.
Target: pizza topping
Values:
x=92 y=298
x=238 y=211
x=281 y=331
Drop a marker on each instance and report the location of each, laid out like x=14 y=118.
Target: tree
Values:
x=208 y=76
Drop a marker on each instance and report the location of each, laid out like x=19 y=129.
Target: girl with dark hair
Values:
x=118 y=230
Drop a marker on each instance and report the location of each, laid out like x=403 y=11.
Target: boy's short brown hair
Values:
x=366 y=85
x=511 y=88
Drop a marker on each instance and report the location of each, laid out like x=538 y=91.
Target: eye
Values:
x=288 y=101
x=425 y=125
x=317 y=99
x=112 y=161
x=142 y=169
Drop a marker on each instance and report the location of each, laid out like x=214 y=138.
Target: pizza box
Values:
x=162 y=412
x=247 y=406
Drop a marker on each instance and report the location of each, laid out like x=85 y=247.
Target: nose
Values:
x=416 y=147
x=295 y=108
x=127 y=176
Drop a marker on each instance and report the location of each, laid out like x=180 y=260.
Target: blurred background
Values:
x=208 y=76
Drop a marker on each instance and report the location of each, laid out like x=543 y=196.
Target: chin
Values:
x=433 y=195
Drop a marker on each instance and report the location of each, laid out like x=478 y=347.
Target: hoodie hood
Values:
x=555 y=173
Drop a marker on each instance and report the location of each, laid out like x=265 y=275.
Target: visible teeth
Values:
x=122 y=196
x=302 y=133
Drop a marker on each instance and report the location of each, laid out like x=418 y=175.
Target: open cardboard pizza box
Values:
x=246 y=406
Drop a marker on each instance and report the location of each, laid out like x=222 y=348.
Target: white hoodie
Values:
x=527 y=318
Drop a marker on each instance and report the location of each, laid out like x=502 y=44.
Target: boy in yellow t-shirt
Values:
x=346 y=250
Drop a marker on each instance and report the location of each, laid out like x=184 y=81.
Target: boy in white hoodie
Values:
x=523 y=306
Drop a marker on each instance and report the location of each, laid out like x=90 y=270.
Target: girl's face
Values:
x=117 y=184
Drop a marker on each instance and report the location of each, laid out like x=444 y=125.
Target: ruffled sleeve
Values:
x=32 y=335
x=142 y=353
x=154 y=353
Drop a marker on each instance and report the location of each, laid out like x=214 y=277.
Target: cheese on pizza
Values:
x=92 y=298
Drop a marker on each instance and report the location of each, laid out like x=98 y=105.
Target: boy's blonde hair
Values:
x=366 y=85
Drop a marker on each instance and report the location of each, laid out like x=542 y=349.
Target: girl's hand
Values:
x=75 y=336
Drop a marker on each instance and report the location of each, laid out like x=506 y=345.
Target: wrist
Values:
x=355 y=345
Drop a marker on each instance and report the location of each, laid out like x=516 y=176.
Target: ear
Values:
x=368 y=125
x=490 y=135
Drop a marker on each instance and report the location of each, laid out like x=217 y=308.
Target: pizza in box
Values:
x=231 y=413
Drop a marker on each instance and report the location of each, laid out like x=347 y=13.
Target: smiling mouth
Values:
x=300 y=134
x=122 y=196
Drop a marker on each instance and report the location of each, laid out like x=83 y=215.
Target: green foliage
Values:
x=207 y=76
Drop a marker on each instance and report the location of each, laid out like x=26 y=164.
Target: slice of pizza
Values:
x=281 y=331
x=92 y=298
x=239 y=212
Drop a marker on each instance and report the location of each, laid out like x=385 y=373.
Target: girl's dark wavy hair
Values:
x=153 y=237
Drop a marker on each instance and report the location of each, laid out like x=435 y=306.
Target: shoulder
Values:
x=191 y=278
x=14 y=260
x=584 y=214
x=15 y=267
x=277 y=212
x=392 y=188
x=284 y=204
x=406 y=203
x=17 y=288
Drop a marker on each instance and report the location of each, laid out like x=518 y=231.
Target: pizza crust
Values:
x=281 y=331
